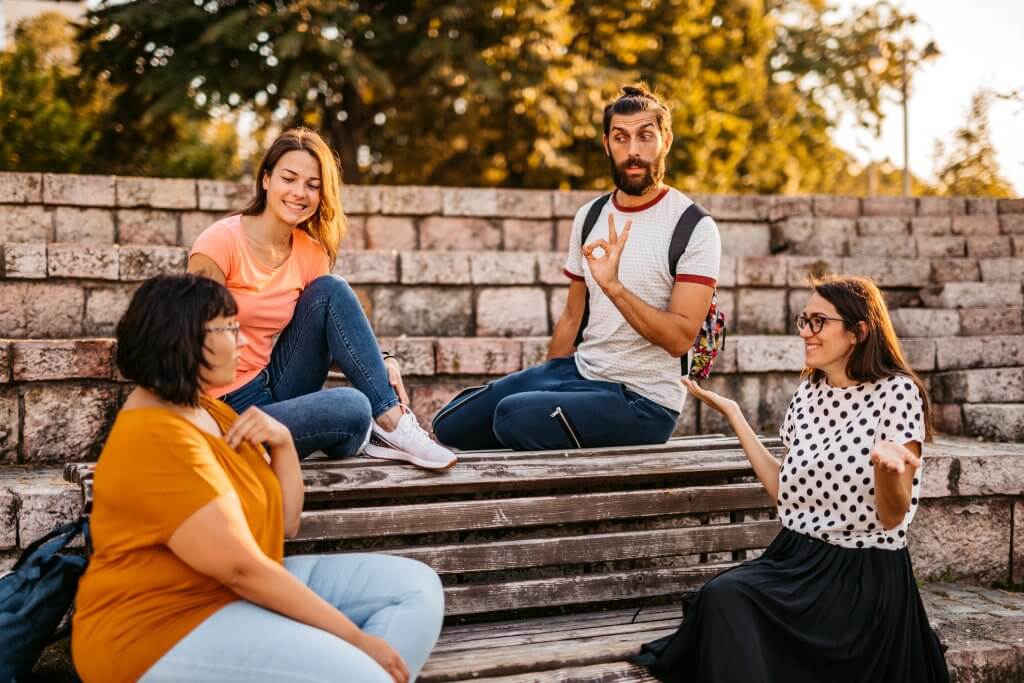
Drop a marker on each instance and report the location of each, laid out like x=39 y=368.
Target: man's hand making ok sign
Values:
x=603 y=256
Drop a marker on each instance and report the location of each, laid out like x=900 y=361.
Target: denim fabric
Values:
x=394 y=598
x=328 y=325
x=552 y=406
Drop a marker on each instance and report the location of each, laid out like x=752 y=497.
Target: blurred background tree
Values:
x=968 y=167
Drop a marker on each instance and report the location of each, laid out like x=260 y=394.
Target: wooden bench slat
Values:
x=611 y=672
x=479 y=598
x=563 y=550
x=522 y=512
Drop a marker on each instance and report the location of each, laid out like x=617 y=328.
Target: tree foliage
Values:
x=968 y=167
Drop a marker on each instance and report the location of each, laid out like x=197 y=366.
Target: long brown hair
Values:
x=328 y=225
x=877 y=354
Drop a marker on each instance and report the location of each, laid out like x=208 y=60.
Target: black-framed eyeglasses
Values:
x=816 y=322
x=233 y=329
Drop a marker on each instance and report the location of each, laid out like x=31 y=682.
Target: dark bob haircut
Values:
x=633 y=99
x=160 y=337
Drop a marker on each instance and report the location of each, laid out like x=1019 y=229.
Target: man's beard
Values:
x=637 y=185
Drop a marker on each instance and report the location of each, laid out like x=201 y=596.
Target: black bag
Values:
x=36 y=596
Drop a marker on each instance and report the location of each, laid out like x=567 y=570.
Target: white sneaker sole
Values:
x=376 y=451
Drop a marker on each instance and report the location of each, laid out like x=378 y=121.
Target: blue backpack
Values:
x=36 y=596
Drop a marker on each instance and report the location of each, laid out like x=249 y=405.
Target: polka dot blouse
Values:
x=827 y=481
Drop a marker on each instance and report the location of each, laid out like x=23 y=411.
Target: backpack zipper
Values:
x=566 y=425
x=453 y=406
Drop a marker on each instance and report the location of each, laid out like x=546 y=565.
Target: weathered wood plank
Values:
x=562 y=550
x=534 y=625
x=612 y=672
x=579 y=589
x=524 y=512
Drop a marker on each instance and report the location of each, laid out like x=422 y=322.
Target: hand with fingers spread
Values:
x=385 y=655
x=256 y=427
x=892 y=457
x=395 y=378
x=725 y=406
x=603 y=256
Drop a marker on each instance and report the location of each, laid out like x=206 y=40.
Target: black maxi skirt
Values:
x=806 y=610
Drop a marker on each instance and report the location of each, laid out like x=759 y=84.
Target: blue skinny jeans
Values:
x=328 y=325
x=394 y=598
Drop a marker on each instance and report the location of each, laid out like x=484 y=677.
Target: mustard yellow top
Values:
x=137 y=599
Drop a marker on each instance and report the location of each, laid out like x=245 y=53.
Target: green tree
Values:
x=969 y=167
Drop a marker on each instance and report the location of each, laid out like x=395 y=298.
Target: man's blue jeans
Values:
x=552 y=406
x=328 y=325
x=394 y=598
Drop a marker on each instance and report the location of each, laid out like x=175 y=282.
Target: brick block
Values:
x=66 y=422
x=503 y=268
x=157 y=193
x=836 y=207
x=40 y=309
x=423 y=311
x=925 y=322
x=390 y=232
x=941 y=206
x=45 y=505
x=726 y=304
x=470 y=201
x=1002 y=270
x=994 y=351
x=193 y=223
x=890 y=272
x=354 y=236
x=785 y=207
x=8 y=520
x=360 y=199
x=761 y=311
x=26 y=224
x=224 y=195
x=981 y=206
x=813 y=237
x=988 y=385
x=439 y=233
x=975 y=225
x=882 y=225
x=989 y=246
x=883 y=245
x=524 y=203
x=78 y=190
x=442 y=268
x=799 y=269
x=948 y=418
x=92 y=226
x=527 y=235
x=91 y=261
x=727 y=271
x=535 y=351
x=478 y=356
x=137 y=262
x=556 y=303
x=931 y=225
x=416 y=354
x=54 y=359
x=511 y=312
x=428 y=399
x=769 y=354
x=888 y=206
x=26 y=261
x=1012 y=223
x=551 y=268
x=959 y=539
x=941 y=246
x=745 y=239
x=21 y=188
x=5 y=361
x=973 y=295
x=955 y=270
x=565 y=203
x=1010 y=205
x=1017 y=560
x=761 y=271
x=920 y=353
x=741 y=207
x=986 y=321
x=146 y=226
x=104 y=307
x=367 y=267
x=410 y=200
x=563 y=230
x=8 y=425
x=1018 y=246
x=996 y=421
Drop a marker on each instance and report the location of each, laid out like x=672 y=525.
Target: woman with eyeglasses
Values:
x=833 y=598
x=192 y=503
x=275 y=257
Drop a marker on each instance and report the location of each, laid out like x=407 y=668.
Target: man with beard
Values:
x=619 y=385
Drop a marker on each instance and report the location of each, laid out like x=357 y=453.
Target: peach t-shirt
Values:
x=137 y=599
x=266 y=296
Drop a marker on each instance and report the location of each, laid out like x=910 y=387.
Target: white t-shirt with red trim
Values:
x=611 y=350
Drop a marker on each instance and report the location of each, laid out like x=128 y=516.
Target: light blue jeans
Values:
x=394 y=598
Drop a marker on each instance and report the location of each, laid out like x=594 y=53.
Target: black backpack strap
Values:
x=687 y=223
x=593 y=213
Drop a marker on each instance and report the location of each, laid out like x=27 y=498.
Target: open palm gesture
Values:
x=604 y=264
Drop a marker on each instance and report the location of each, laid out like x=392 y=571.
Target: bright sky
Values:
x=981 y=43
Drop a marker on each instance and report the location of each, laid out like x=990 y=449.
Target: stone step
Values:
x=974 y=295
x=967 y=322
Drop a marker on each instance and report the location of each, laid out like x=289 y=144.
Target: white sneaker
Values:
x=409 y=443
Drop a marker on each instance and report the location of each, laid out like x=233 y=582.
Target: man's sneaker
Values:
x=409 y=443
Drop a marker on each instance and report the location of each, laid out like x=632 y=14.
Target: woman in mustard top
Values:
x=188 y=580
